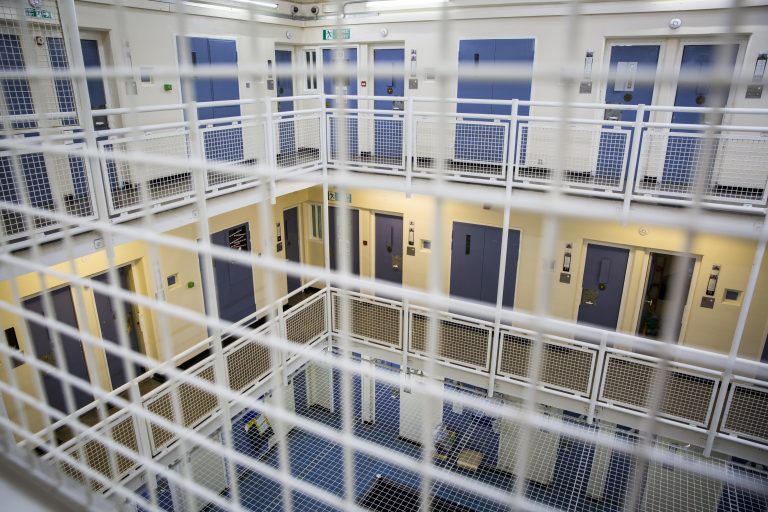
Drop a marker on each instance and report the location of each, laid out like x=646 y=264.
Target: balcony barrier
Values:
x=609 y=377
x=506 y=143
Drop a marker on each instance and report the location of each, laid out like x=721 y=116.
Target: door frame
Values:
x=372 y=247
x=580 y=277
x=644 y=253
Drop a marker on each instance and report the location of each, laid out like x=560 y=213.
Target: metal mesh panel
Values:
x=586 y=155
x=458 y=341
x=731 y=164
x=747 y=413
x=129 y=182
x=473 y=149
x=685 y=396
x=248 y=363
x=233 y=151
x=297 y=140
x=306 y=323
x=196 y=403
x=561 y=367
x=372 y=321
x=97 y=453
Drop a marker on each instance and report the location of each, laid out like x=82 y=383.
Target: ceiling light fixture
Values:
x=257 y=3
x=403 y=4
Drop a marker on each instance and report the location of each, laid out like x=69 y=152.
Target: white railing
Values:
x=510 y=143
x=607 y=377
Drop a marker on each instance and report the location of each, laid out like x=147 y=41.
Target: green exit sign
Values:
x=43 y=14
x=337 y=196
x=336 y=33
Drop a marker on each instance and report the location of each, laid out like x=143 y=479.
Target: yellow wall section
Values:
x=712 y=329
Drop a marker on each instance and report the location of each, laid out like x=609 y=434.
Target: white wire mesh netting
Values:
x=341 y=287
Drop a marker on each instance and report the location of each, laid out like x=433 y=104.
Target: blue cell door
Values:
x=695 y=90
x=341 y=85
x=351 y=246
x=72 y=349
x=627 y=63
x=602 y=285
x=234 y=281
x=475 y=262
x=284 y=73
x=106 y=310
x=483 y=142
x=389 y=248
x=226 y=145
x=626 y=86
x=292 y=243
x=389 y=69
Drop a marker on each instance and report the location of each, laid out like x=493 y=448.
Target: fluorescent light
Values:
x=221 y=7
x=257 y=3
x=403 y=4
x=208 y=6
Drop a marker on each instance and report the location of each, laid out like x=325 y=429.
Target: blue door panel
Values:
x=234 y=282
x=389 y=245
x=647 y=58
x=699 y=59
x=388 y=139
x=467 y=258
x=224 y=53
x=64 y=311
x=519 y=52
x=91 y=58
x=482 y=142
x=286 y=135
x=683 y=152
x=106 y=310
x=202 y=87
x=354 y=243
x=474 y=54
x=292 y=243
x=338 y=85
x=603 y=285
x=610 y=150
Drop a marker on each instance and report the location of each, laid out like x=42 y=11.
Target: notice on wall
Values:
x=625 y=76
x=237 y=238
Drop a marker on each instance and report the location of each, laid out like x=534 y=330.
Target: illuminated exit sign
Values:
x=330 y=34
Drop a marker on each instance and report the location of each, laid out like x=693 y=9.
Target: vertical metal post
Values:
x=71 y=33
x=409 y=139
x=597 y=377
x=634 y=159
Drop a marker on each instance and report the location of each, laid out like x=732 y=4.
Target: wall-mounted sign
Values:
x=43 y=14
x=330 y=34
x=337 y=196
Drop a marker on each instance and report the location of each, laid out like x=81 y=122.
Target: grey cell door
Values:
x=292 y=243
x=476 y=259
x=602 y=285
x=72 y=348
x=234 y=282
x=352 y=246
x=106 y=310
x=389 y=248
